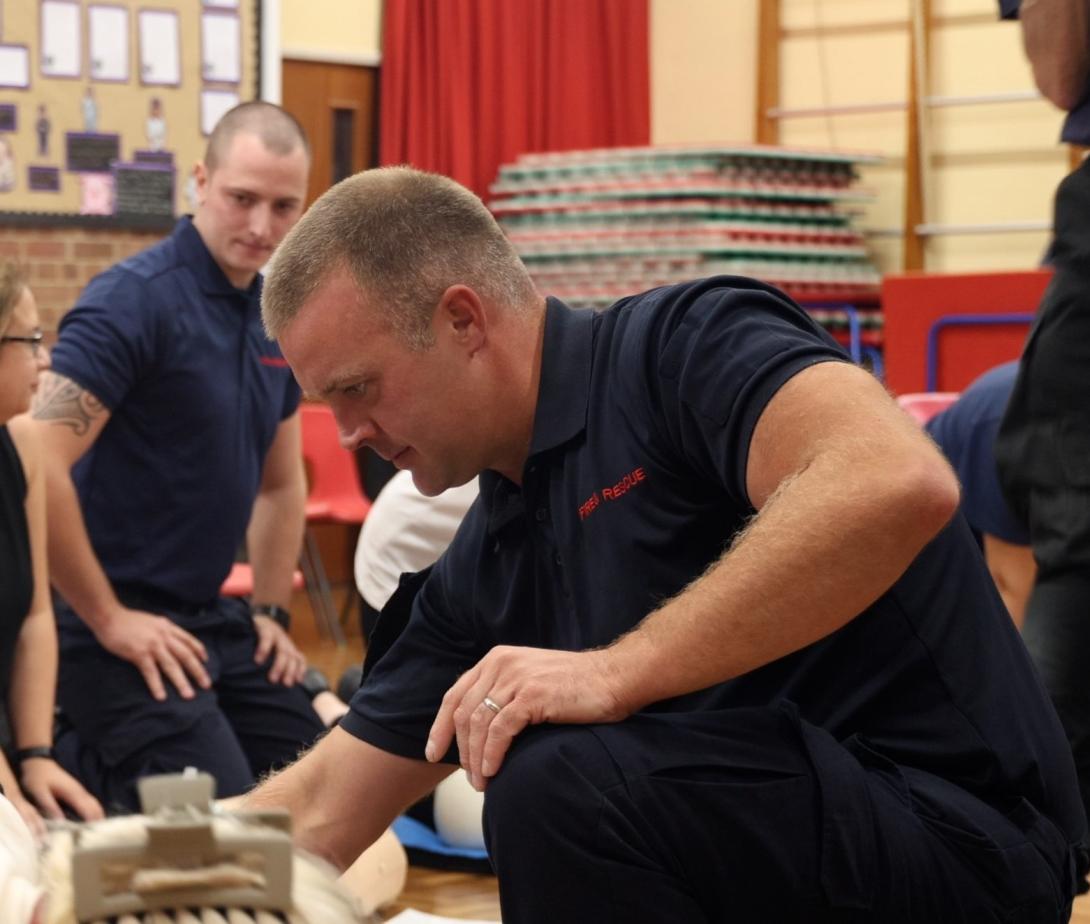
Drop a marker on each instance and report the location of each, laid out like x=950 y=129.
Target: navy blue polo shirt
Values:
x=1076 y=127
x=195 y=392
x=966 y=432
x=636 y=482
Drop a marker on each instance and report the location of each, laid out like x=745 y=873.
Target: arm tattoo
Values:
x=62 y=401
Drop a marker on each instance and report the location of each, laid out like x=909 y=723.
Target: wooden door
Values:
x=337 y=106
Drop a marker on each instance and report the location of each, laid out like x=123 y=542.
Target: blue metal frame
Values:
x=962 y=320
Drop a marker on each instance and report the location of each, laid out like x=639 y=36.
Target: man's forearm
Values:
x=273 y=539
x=823 y=548
x=343 y=794
x=33 y=681
x=74 y=569
x=1056 y=38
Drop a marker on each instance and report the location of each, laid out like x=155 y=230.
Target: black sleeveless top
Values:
x=16 y=575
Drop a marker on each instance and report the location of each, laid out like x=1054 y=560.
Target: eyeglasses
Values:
x=35 y=341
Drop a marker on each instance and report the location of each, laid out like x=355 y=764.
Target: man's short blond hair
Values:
x=404 y=236
x=279 y=131
x=12 y=283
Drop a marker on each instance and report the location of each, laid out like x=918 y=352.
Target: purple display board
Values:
x=15 y=67
x=60 y=54
x=44 y=179
x=91 y=152
x=143 y=190
x=108 y=51
x=162 y=158
x=221 y=47
x=160 y=47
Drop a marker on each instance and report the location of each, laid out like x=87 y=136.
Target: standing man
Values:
x=173 y=435
x=1043 y=449
x=711 y=640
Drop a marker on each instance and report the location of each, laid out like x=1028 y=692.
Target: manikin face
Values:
x=20 y=363
x=248 y=203
x=418 y=409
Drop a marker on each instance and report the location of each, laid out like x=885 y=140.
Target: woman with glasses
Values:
x=31 y=779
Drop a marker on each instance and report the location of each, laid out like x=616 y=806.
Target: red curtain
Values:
x=470 y=84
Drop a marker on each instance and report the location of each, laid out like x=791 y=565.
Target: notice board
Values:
x=106 y=106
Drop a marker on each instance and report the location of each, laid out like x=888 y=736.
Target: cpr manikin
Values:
x=182 y=862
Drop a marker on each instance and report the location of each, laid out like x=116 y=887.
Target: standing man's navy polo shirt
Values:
x=636 y=483
x=195 y=392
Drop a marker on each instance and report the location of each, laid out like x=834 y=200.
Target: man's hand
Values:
x=49 y=785
x=511 y=688
x=288 y=664
x=156 y=646
x=30 y=815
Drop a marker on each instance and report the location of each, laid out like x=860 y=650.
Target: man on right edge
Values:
x=1043 y=448
x=712 y=639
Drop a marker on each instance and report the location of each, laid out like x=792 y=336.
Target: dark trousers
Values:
x=1057 y=634
x=241 y=728
x=1043 y=454
x=753 y=815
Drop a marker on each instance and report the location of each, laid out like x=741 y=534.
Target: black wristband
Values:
x=277 y=614
x=43 y=751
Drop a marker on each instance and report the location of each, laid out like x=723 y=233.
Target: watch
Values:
x=277 y=614
x=43 y=751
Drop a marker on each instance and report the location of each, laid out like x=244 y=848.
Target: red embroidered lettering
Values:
x=613 y=492
x=589 y=505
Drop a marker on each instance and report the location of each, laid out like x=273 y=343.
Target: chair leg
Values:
x=314 y=595
x=321 y=599
x=352 y=601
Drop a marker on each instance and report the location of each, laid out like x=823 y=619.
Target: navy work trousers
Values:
x=754 y=815
x=241 y=728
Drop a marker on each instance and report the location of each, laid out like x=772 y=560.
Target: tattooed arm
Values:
x=70 y=419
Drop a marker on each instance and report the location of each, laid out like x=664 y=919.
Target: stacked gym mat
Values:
x=593 y=226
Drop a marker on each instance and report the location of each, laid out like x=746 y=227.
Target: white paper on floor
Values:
x=411 y=916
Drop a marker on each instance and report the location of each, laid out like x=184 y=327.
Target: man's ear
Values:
x=461 y=315
x=201 y=175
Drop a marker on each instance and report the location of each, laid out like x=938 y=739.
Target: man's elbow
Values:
x=1060 y=88
x=930 y=493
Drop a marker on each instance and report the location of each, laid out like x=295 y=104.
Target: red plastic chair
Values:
x=335 y=496
x=923 y=405
x=240 y=582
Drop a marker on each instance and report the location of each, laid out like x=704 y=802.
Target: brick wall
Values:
x=60 y=261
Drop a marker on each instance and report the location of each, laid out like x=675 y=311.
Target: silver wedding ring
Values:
x=492 y=704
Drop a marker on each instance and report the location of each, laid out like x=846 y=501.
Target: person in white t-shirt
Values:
x=404 y=532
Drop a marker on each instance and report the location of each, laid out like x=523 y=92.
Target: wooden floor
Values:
x=453 y=895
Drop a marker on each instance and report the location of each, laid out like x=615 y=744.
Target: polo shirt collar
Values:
x=192 y=250
x=564 y=389
x=562 y=400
